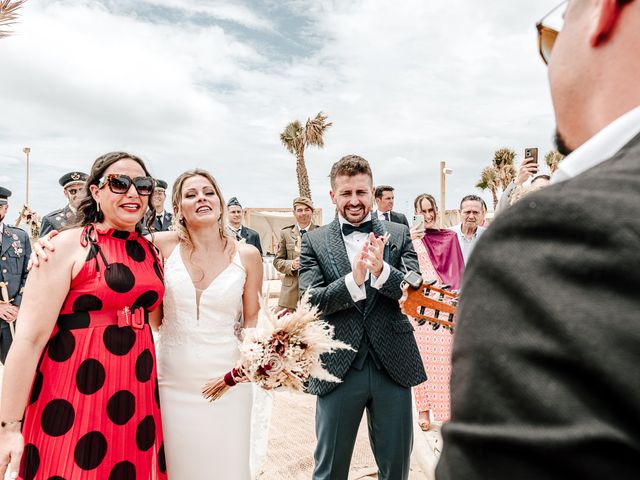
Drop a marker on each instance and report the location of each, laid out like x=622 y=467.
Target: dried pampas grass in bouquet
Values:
x=281 y=352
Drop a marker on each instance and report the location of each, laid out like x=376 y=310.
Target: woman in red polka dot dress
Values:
x=93 y=410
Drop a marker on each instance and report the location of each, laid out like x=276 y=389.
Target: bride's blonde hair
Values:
x=179 y=225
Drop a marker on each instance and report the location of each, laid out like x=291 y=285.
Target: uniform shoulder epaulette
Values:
x=55 y=212
x=289 y=226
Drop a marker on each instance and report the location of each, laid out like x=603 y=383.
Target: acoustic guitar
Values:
x=427 y=302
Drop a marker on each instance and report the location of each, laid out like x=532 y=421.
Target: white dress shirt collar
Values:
x=601 y=147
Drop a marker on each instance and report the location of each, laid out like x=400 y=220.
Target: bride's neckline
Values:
x=213 y=280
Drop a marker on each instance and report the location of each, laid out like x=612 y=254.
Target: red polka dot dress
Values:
x=93 y=411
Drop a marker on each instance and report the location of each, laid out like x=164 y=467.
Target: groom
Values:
x=354 y=278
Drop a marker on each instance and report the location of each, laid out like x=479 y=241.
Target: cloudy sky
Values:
x=207 y=83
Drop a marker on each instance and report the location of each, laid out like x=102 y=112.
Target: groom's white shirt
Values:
x=353 y=244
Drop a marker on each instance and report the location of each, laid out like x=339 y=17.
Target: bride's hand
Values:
x=39 y=250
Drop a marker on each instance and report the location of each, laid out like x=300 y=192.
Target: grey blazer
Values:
x=323 y=265
x=546 y=360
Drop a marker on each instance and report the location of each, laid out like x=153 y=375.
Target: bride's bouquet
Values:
x=281 y=352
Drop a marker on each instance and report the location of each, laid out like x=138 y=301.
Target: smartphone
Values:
x=531 y=153
x=418 y=220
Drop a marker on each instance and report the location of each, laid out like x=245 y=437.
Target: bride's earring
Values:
x=97 y=207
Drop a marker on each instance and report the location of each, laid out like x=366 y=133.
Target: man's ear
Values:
x=332 y=195
x=606 y=15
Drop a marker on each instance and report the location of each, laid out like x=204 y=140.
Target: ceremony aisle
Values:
x=292 y=440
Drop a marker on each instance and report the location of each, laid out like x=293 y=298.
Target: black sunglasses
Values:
x=120 y=184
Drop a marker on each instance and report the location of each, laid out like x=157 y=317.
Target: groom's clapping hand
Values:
x=374 y=254
x=359 y=266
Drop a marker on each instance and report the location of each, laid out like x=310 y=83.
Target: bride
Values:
x=212 y=285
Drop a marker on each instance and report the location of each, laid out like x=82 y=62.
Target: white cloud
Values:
x=406 y=84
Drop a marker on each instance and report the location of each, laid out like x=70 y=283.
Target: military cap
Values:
x=233 y=202
x=161 y=184
x=303 y=201
x=71 y=178
x=4 y=194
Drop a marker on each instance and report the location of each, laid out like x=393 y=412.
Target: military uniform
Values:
x=57 y=219
x=288 y=251
x=15 y=250
x=161 y=223
x=64 y=216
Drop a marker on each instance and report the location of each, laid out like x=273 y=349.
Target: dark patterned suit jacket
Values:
x=546 y=360
x=323 y=265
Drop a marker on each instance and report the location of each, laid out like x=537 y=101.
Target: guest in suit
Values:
x=73 y=186
x=162 y=219
x=234 y=209
x=14 y=256
x=287 y=259
x=545 y=380
x=354 y=279
x=384 y=202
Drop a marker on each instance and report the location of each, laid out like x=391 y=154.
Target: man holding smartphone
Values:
x=528 y=169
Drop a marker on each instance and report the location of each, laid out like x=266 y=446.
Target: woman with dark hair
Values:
x=84 y=345
x=440 y=259
x=212 y=288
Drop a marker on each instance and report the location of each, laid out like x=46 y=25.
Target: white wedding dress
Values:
x=196 y=343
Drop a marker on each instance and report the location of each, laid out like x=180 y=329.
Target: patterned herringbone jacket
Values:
x=323 y=265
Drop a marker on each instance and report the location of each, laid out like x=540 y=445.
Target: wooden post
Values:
x=27 y=150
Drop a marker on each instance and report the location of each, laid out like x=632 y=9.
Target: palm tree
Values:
x=9 y=15
x=489 y=180
x=297 y=138
x=503 y=163
x=553 y=158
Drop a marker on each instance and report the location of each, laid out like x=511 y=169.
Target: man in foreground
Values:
x=545 y=360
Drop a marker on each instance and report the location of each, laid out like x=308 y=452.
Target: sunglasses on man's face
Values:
x=120 y=184
x=547 y=33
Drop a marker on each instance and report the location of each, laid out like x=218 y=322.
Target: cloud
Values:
x=212 y=84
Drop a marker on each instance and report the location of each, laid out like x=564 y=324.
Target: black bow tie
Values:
x=348 y=229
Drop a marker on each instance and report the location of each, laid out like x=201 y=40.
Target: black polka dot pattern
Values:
x=135 y=251
x=90 y=450
x=90 y=376
x=30 y=462
x=123 y=471
x=146 y=433
x=147 y=299
x=87 y=413
x=162 y=462
x=61 y=346
x=73 y=321
x=36 y=388
x=121 y=234
x=119 y=341
x=57 y=417
x=119 y=278
x=156 y=393
x=121 y=407
x=144 y=366
x=86 y=303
